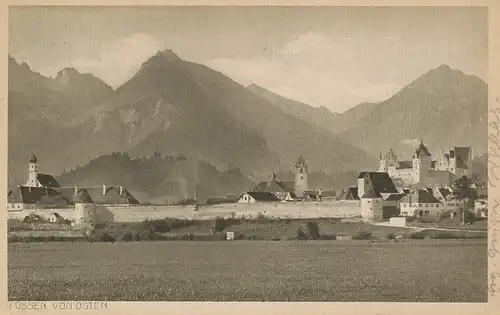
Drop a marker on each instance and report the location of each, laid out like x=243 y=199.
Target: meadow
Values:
x=409 y=271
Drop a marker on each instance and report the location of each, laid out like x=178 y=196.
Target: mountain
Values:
x=320 y=116
x=44 y=115
x=62 y=99
x=443 y=107
x=169 y=107
x=158 y=178
x=172 y=106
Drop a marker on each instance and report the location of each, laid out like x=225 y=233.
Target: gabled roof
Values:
x=47 y=181
x=362 y=174
x=381 y=182
x=371 y=193
x=395 y=197
x=352 y=193
x=443 y=192
x=31 y=195
x=83 y=196
x=274 y=186
x=263 y=196
x=112 y=196
x=420 y=196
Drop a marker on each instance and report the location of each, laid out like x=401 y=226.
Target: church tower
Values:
x=33 y=172
x=300 y=177
x=421 y=165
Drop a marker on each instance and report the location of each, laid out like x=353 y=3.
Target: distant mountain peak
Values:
x=67 y=72
x=169 y=54
x=162 y=59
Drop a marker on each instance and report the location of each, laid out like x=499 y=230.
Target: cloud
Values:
x=308 y=69
x=119 y=60
x=310 y=43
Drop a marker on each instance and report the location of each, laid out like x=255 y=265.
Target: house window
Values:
x=301 y=170
x=420 y=205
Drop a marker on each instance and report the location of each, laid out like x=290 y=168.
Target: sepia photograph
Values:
x=248 y=153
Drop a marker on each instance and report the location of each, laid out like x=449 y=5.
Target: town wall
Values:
x=347 y=208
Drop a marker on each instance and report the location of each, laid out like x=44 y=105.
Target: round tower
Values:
x=85 y=210
x=33 y=172
x=371 y=205
x=300 y=176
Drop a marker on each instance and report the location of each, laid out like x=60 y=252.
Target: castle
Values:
x=422 y=171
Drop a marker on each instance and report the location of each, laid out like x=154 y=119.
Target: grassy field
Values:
x=423 y=270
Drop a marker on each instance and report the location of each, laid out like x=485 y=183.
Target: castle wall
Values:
x=345 y=208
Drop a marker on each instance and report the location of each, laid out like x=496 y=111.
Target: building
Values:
x=301 y=177
x=372 y=204
x=255 y=197
x=284 y=190
x=421 y=203
x=392 y=206
x=36 y=179
x=350 y=194
x=43 y=190
x=423 y=171
x=374 y=188
x=381 y=182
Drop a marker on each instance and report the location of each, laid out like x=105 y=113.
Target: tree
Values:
x=462 y=191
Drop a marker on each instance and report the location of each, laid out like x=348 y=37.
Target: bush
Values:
x=220 y=224
x=363 y=235
x=308 y=231
x=100 y=236
x=391 y=236
x=127 y=237
x=416 y=235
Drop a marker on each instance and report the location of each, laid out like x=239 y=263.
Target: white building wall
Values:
x=246 y=198
x=372 y=208
x=429 y=209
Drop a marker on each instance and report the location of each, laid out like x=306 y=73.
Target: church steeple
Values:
x=33 y=172
x=301 y=173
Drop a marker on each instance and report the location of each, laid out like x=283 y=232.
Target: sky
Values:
x=335 y=57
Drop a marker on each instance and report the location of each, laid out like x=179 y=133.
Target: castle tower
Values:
x=33 y=172
x=371 y=205
x=85 y=210
x=300 y=176
x=383 y=165
x=421 y=165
